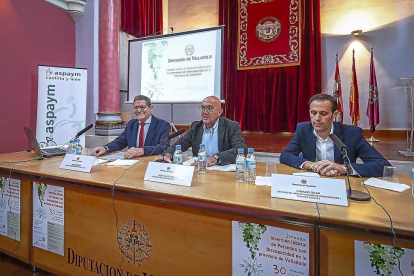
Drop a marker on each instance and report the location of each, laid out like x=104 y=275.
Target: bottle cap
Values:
x=202 y=146
x=241 y=150
x=251 y=150
x=178 y=147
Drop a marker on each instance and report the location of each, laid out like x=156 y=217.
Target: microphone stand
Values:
x=352 y=194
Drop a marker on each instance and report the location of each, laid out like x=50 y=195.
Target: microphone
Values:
x=351 y=194
x=337 y=141
x=175 y=134
x=83 y=131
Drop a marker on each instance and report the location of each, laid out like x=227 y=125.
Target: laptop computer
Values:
x=36 y=147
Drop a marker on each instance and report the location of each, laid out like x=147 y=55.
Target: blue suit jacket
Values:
x=157 y=132
x=304 y=142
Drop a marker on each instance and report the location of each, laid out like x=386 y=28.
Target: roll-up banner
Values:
x=61 y=104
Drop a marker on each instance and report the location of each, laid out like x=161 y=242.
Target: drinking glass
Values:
x=270 y=169
x=390 y=174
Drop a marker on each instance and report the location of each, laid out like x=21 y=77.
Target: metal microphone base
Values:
x=358 y=195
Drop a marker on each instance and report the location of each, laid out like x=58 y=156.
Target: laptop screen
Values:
x=32 y=139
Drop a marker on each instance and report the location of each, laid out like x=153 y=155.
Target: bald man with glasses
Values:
x=221 y=136
x=141 y=135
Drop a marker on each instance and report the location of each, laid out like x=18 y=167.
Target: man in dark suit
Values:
x=221 y=136
x=141 y=135
x=312 y=149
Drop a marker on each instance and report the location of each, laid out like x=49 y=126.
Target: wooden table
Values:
x=190 y=227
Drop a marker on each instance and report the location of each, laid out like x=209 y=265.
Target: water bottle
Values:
x=202 y=159
x=240 y=166
x=250 y=166
x=78 y=149
x=71 y=148
x=178 y=155
x=412 y=181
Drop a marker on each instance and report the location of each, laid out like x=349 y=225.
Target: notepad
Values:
x=123 y=162
x=382 y=184
x=263 y=181
x=312 y=174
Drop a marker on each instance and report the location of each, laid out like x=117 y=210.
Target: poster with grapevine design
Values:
x=10 y=208
x=373 y=259
x=48 y=217
x=260 y=250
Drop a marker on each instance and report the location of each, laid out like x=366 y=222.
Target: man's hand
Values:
x=166 y=158
x=99 y=151
x=211 y=161
x=134 y=152
x=328 y=168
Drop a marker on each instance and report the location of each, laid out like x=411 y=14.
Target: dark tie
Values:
x=141 y=135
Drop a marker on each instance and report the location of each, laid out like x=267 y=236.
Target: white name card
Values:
x=80 y=163
x=169 y=173
x=311 y=189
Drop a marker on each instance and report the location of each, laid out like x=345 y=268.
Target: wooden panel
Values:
x=185 y=240
x=21 y=250
x=337 y=253
x=216 y=188
x=370 y=215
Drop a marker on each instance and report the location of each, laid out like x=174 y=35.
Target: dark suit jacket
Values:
x=229 y=140
x=157 y=132
x=304 y=142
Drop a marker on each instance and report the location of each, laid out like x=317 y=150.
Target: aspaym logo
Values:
x=61 y=74
x=48 y=72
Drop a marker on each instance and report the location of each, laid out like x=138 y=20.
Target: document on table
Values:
x=312 y=174
x=382 y=184
x=123 y=162
x=114 y=156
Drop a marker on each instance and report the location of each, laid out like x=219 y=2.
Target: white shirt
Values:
x=324 y=147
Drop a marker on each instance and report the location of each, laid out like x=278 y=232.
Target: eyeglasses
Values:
x=139 y=107
x=206 y=108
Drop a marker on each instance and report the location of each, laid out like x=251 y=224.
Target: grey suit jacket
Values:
x=229 y=140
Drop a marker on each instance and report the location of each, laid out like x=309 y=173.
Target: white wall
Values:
x=87 y=55
x=389 y=26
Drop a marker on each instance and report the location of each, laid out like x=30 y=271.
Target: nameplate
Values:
x=80 y=163
x=169 y=173
x=312 y=189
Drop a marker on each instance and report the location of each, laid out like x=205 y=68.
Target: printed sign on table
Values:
x=267 y=250
x=169 y=173
x=10 y=208
x=373 y=259
x=311 y=189
x=48 y=217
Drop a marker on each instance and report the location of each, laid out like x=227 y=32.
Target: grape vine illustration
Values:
x=383 y=258
x=2 y=185
x=41 y=189
x=155 y=87
x=252 y=234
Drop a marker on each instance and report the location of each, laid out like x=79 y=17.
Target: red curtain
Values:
x=274 y=99
x=141 y=17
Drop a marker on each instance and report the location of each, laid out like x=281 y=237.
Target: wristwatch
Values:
x=217 y=157
x=106 y=148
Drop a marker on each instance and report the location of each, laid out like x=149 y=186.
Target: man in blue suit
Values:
x=312 y=149
x=141 y=135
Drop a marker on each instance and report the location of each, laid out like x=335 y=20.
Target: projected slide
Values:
x=177 y=68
